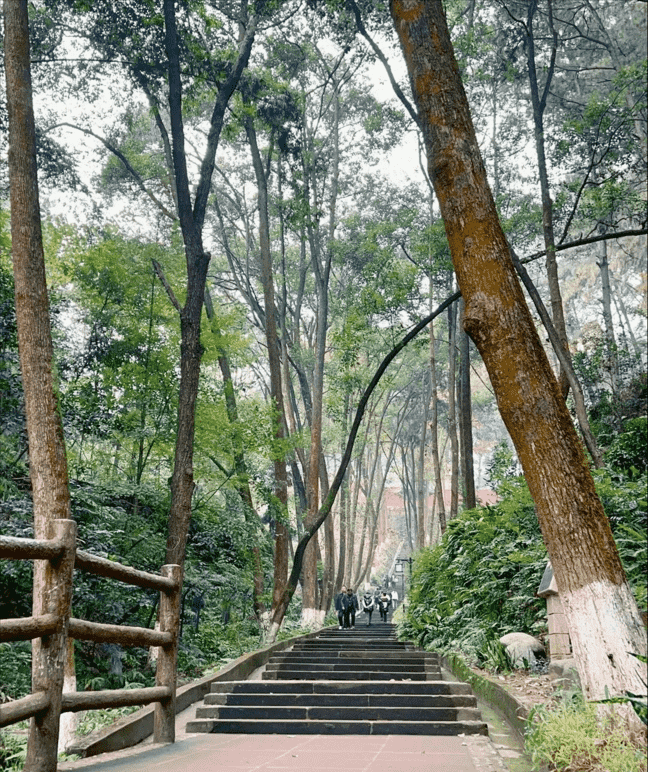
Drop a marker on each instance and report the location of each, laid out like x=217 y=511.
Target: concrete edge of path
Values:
x=136 y=727
x=515 y=713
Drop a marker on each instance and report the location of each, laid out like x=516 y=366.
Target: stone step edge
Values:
x=238 y=699
x=329 y=713
x=289 y=726
x=323 y=686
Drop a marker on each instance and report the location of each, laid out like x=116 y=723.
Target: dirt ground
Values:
x=528 y=689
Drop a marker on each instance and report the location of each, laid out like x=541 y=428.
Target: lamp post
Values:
x=399 y=569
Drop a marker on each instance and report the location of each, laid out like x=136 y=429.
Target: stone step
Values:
x=353 y=646
x=353 y=667
x=347 y=700
x=290 y=727
x=334 y=713
x=342 y=687
x=367 y=675
x=363 y=654
x=359 y=681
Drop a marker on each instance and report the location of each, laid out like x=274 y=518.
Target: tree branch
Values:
x=160 y=273
x=127 y=165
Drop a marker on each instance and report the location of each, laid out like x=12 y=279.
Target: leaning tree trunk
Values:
x=47 y=460
x=602 y=615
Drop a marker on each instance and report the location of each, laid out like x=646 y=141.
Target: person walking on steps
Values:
x=368 y=605
x=350 y=605
x=384 y=604
x=339 y=608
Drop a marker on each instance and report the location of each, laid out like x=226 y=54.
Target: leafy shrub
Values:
x=480 y=582
x=13 y=751
x=571 y=737
x=15 y=670
x=628 y=451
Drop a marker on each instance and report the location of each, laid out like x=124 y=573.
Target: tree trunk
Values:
x=434 y=430
x=603 y=619
x=608 y=325
x=421 y=487
x=47 y=461
x=240 y=467
x=470 y=500
x=452 y=411
x=539 y=103
x=276 y=391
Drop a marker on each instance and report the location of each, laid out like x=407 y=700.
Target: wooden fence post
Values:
x=164 y=723
x=49 y=652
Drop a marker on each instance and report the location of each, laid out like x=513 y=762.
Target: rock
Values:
x=564 y=674
x=522 y=647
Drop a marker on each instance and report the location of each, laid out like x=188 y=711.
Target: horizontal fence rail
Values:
x=48 y=701
x=27 y=628
x=112 y=570
x=16 y=548
x=127 y=636
x=26 y=707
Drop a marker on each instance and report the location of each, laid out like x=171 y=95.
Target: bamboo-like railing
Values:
x=45 y=705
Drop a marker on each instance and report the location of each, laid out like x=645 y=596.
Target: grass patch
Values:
x=572 y=738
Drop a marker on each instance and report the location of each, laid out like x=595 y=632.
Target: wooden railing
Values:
x=51 y=629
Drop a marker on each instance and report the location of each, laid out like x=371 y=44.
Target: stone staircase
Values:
x=358 y=681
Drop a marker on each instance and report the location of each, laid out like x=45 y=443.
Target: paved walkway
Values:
x=304 y=753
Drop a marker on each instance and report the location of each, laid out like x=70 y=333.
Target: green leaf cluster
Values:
x=481 y=581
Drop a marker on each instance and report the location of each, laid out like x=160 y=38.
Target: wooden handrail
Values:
x=25 y=707
x=126 y=636
x=17 y=548
x=47 y=671
x=26 y=628
x=113 y=698
x=112 y=570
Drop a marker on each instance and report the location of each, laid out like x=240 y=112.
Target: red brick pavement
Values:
x=304 y=753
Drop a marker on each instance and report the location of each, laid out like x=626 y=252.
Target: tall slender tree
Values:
x=47 y=460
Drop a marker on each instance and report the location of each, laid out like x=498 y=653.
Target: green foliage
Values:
x=628 y=451
x=573 y=738
x=15 y=670
x=502 y=466
x=97 y=719
x=480 y=582
x=13 y=750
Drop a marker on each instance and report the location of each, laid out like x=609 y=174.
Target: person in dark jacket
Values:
x=383 y=604
x=339 y=608
x=350 y=605
x=367 y=605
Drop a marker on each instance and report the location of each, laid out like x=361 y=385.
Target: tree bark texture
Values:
x=602 y=615
x=47 y=459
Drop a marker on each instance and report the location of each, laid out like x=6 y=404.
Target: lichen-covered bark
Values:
x=575 y=529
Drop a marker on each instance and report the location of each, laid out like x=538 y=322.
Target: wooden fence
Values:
x=50 y=629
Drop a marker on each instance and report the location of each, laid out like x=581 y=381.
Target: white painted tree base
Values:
x=312 y=618
x=606 y=630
